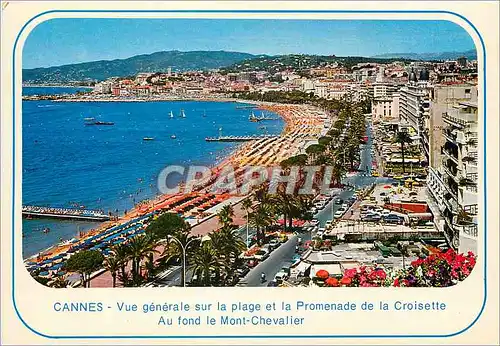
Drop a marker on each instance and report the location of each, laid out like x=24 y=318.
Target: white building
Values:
x=454 y=184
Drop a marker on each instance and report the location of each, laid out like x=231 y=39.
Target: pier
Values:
x=64 y=213
x=238 y=138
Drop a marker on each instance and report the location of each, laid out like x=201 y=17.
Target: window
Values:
x=467 y=94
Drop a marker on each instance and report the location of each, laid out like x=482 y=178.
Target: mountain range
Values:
x=470 y=54
x=205 y=60
x=155 y=62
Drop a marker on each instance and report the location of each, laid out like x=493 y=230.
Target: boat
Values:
x=182 y=115
x=204 y=114
x=171 y=114
x=92 y=121
x=254 y=118
x=148 y=138
x=173 y=136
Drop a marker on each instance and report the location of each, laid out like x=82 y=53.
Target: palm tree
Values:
x=140 y=246
x=247 y=205
x=262 y=217
x=112 y=263
x=226 y=215
x=403 y=137
x=122 y=254
x=205 y=261
x=183 y=242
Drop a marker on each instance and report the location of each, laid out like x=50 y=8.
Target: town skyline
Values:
x=61 y=42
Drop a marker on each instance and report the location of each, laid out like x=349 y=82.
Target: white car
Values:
x=338 y=214
x=328 y=223
x=314 y=222
x=281 y=276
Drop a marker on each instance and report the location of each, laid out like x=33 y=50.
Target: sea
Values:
x=66 y=163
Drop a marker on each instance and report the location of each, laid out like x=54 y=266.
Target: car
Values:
x=338 y=214
x=328 y=223
x=280 y=277
x=339 y=201
x=242 y=272
x=342 y=209
x=252 y=263
x=274 y=243
x=314 y=222
x=272 y=284
x=345 y=206
x=314 y=210
x=385 y=212
x=320 y=233
x=261 y=255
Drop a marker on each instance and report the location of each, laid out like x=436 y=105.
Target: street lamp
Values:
x=184 y=249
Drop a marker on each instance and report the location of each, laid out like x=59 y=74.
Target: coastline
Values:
x=299 y=119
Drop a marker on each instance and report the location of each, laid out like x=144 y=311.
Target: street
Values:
x=272 y=265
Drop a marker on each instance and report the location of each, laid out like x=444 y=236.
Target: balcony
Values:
x=450 y=135
x=453 y=121
x=450 y=155
x=471 y=209
x=470 y=229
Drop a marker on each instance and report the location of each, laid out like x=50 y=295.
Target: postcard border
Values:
x=249 y=336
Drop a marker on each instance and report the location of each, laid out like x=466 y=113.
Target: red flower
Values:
x=396 y=283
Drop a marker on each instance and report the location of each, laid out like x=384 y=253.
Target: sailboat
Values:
x=182 y=115
x=171 y=114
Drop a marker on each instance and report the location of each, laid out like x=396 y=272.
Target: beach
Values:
x=303 y=123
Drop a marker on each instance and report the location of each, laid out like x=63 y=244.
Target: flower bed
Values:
x=437 y=270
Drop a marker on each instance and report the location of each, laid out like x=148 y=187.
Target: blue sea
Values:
x=111 y=168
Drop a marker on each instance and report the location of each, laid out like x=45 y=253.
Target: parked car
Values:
x=274 y=243
x=338 y=214
x=261 y=255
x=339 y=201
x=314 y=222
x=243 y=271
x=252 y=263
x=328 y=223
x=280 y=277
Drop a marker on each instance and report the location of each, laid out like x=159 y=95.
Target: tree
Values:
x=262 y=217
x=226 y=215
x=403 y=137
x=122 y=254
x=247 y=206
x=166 y=225
x=184 y=242
x=205 y=262
x=85 y=263
x=112 y=264
x=140 y=246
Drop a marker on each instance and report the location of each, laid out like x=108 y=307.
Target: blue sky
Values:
x=66 y=41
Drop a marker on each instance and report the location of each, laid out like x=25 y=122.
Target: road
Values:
x=272 y=265
x=359 y=180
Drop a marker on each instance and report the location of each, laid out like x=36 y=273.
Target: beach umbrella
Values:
x=43 y=273
x=332 y=282
x=322 y=274
x=345 y=281
x=387 y=186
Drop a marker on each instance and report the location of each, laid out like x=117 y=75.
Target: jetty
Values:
x=238 y=138
x=30 y=211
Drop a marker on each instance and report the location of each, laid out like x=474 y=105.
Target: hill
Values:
x=155 y=62
x=470 y=54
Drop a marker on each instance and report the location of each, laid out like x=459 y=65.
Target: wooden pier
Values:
x=64 y=213
x=238 y=138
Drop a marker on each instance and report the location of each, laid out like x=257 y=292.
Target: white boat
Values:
x=173 y=136
x=171 y=114
x=182 y=115
x=148 y=139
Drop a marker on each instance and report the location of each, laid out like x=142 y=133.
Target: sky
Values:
x=66 y=41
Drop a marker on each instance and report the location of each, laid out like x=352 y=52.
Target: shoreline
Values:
x=297 y=118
